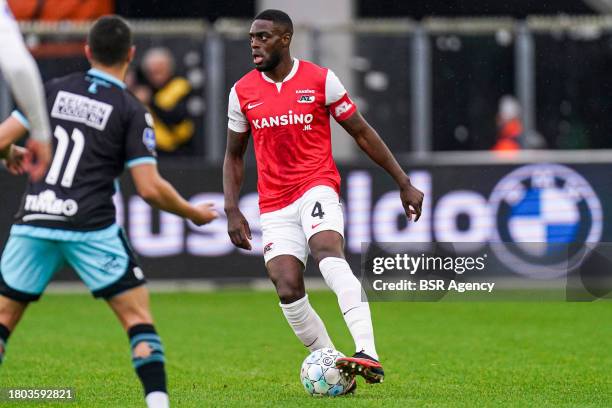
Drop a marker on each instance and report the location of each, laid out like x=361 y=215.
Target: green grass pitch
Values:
x=234 y=349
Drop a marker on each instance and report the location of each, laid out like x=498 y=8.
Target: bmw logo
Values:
x=546 y=213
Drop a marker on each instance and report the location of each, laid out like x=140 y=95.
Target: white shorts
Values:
x=287 y=231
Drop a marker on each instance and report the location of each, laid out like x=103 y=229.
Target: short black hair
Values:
x=277 y=17
x=110 y=40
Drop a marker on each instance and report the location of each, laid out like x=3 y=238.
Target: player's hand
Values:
x=15 y=159
x=37 y=160
x=204 y=214
x=412 y=200
x=238 y=229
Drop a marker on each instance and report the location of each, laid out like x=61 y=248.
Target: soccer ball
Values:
x=320 y=376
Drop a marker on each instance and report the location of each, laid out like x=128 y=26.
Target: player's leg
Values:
x=326 y=248
x=285 y=253
x=10 y=314
x=26 y=267
x=323 y=223
x=286 y=272
x=132 y=310
x=107 y=265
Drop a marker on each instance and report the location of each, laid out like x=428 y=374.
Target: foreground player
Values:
x=69 y=217
x=20 y=71
x=285 y=103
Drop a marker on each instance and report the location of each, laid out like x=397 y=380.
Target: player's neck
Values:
x=280 y=72
x=117 y=72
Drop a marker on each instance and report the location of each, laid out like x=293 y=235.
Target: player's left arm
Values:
x=158 y=192
x=345 y=112
x=141 y=159
x=371 y=143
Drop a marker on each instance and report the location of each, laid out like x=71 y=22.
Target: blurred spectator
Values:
x=60 y=9
x=166 y=95
x=509 y=125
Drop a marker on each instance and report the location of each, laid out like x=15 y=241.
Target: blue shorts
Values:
x=102 y=259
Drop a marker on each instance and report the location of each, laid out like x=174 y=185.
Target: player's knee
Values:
x=325 y=248
x=323 y=253
x=287 y=276
x=289 y=292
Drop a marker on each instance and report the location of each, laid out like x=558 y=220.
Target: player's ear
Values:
x=88 y=52
x=287 y=39
x=131 y=53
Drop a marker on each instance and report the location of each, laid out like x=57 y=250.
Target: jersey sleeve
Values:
x=337 y=99
x=15 y=114
x=236 y=119
x=21 y=73
x=140 y=139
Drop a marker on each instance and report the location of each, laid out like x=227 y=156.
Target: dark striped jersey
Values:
x=99 y=128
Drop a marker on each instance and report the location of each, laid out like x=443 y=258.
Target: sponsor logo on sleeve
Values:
x=149 y=120
x=148 y=138
x=343 y=108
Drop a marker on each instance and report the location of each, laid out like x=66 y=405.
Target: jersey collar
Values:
x=106 y=77
x=291 y=74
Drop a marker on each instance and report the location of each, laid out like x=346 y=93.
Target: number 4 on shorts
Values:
x=317 y=211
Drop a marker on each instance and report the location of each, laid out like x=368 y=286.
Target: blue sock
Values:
x=150 y=368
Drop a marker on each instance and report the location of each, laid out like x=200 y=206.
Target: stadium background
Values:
x=427 y=75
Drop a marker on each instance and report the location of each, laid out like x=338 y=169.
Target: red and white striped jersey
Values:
x=289 y=121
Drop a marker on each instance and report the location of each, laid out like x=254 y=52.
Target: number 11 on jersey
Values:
x=63 y=141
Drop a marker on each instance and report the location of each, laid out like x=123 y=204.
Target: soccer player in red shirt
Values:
x=285 y=103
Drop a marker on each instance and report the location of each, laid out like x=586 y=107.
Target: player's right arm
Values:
x=233 y=175
x=20 y=71
x=233 y=172
x=159 y=193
